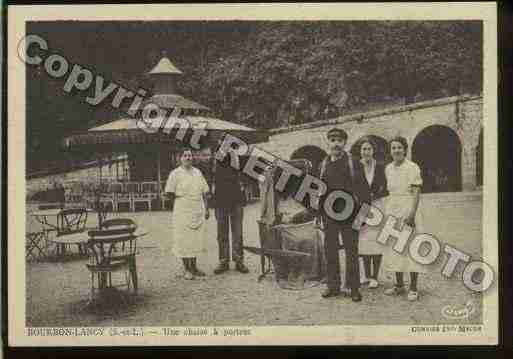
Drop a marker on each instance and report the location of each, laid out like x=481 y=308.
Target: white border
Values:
x=316 y=335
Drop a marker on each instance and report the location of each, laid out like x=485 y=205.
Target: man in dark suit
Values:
x=336 y=172
x=229 y=201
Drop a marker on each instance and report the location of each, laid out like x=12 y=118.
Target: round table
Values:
x=48 y=219
x=83 y=237
x=43 y=216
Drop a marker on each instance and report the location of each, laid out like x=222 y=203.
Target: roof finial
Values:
x=165 y=66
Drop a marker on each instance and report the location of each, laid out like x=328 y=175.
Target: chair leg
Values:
x=133 y=271
x=92 y=287
x=127 y=280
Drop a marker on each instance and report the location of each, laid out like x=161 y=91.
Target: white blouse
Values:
x=369 y=170
x=400 y=179
x=186 y=183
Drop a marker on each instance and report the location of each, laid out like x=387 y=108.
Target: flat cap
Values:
x=337 y=132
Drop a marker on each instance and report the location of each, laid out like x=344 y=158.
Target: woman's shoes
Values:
x=395 y=290
x=373 y=283
x=188 y=275
x=413 y=295
x=356 y=296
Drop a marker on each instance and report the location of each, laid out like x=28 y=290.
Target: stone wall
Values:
x=463 y=115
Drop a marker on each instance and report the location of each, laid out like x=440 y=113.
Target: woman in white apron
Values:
x=189 y=188
x=404 y=182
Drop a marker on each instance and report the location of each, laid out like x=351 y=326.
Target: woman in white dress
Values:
x=189 y=188
x=404 y=182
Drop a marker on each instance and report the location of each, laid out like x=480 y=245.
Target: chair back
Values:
x=132 y=187
x=71 y=220
x=149 y=187
x=103 y=187
x=115 y=187
x=108 y=245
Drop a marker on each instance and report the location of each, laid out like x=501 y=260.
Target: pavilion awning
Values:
x=169 y=101
x=124 y=132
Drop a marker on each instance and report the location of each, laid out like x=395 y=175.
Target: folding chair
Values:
x=35 y=245
x=108 y=196
x=125 y=196
x=167 y=204
x=147 y=194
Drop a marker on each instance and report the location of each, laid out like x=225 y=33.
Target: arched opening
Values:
x=437 y=151
x=479 y=160
x=382 y=154
x=311 y=153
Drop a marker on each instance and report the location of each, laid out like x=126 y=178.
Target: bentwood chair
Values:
x=112 y=249
x=35 y=245
x=70 y=221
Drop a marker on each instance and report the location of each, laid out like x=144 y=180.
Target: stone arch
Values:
x=479 y=159
x=437 y=150
x=311 y=153
x=382 y=154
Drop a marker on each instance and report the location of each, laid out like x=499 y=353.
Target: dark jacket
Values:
x=338 y=175
x=227 y=183
x=366 y=192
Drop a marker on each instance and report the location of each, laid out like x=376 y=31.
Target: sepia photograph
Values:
x=252 y=174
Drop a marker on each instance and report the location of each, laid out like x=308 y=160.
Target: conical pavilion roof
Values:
x=165 y=66
x=126 y=132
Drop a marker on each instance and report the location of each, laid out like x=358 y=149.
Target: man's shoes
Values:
x=221 y=268
x=239 y=266
x=197 y=272
x=395 y=290
x=330 y=293
x=356 y=296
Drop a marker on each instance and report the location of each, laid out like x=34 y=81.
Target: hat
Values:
x=337 y=132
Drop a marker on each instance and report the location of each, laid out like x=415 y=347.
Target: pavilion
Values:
x=151 y=156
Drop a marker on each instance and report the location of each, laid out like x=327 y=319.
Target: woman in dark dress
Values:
x=370 y=188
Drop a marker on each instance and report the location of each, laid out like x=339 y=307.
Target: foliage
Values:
x=261 y=74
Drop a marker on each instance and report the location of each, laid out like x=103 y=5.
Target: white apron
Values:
x=188 y=211
x=399 y=202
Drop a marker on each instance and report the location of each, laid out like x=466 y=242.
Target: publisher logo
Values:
x=458 y=311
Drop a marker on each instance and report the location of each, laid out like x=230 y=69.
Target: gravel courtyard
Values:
x=57 y=292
